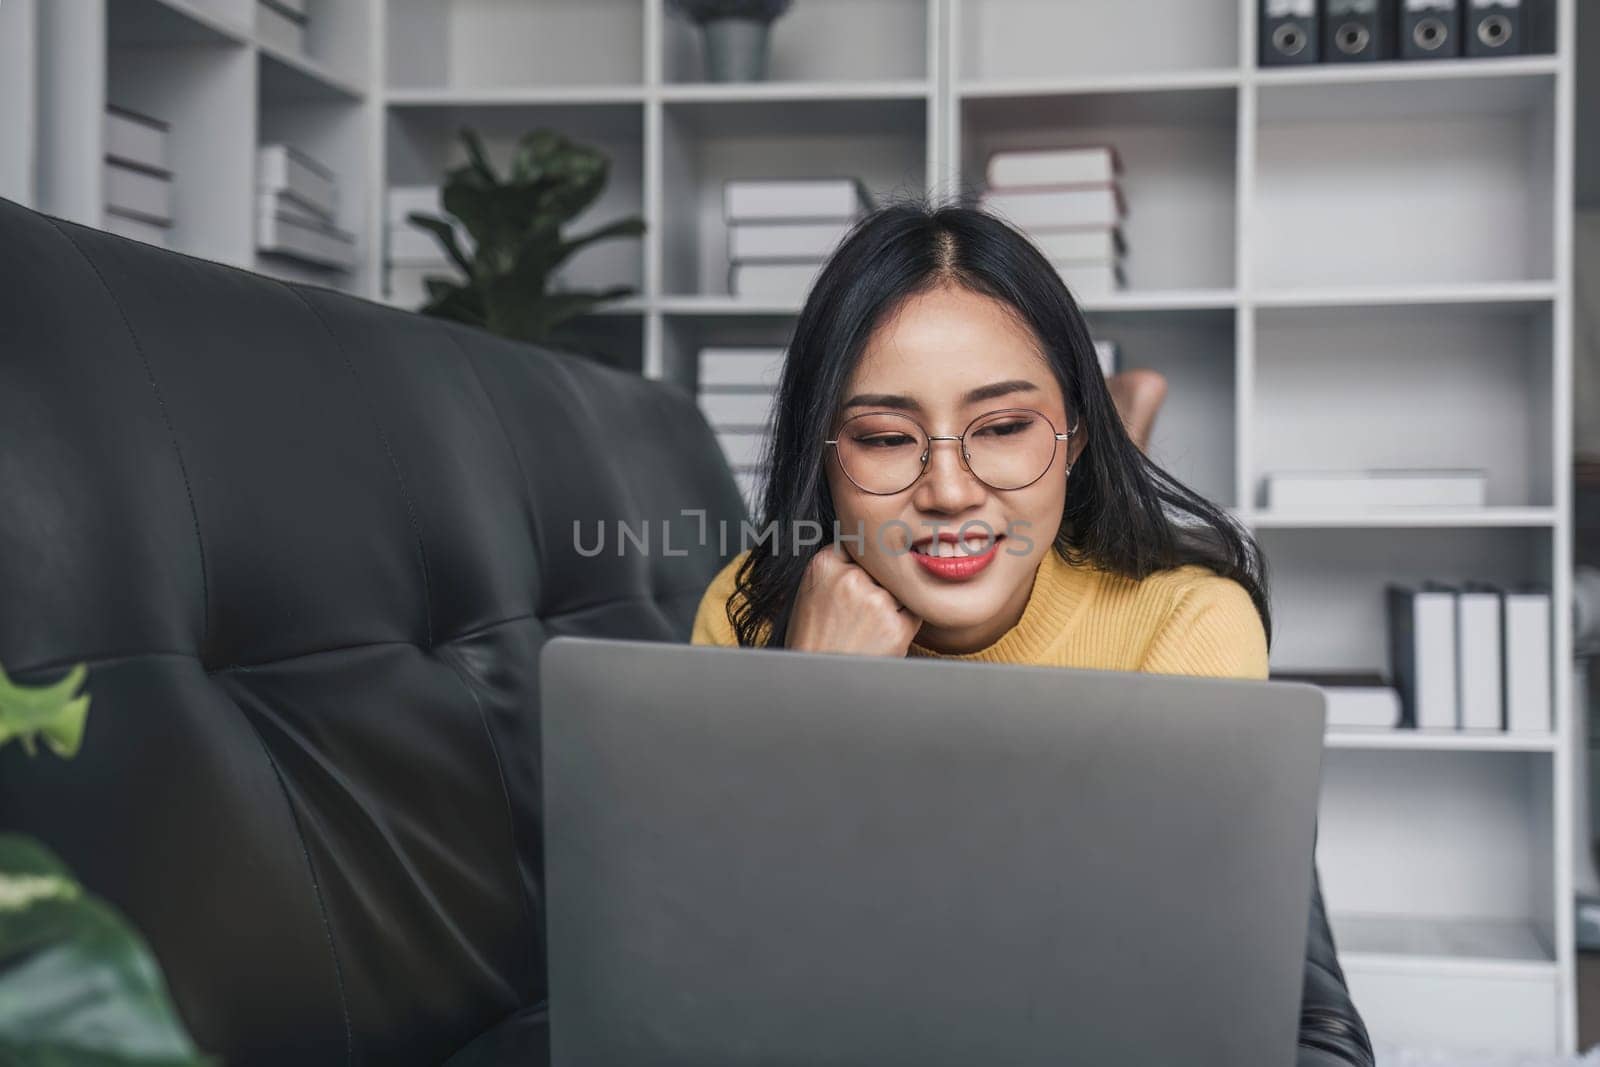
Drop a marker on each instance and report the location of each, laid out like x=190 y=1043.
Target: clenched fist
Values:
x=840 y=608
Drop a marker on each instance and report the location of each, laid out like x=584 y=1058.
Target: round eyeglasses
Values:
x=885 y=452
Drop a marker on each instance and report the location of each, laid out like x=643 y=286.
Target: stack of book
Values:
x=281 y=24
x=297 y=201
x=781 y=232
x=138 y=181
x=1462 y=657
x=1069 y=201
x=1363 y=491
x=737 y=387
x=414 y=254
x=1472 y=656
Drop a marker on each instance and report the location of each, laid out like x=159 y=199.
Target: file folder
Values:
x=1357 y=31
x=1494 y=28
x=1430 y=29
x=1422 y=654
x=1288 y=32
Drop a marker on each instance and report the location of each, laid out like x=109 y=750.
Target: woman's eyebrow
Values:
x=906 y=403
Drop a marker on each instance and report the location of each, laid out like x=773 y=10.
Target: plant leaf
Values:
x=77 y=984
x=53 y=712
x=477 y=158
x=445 y=234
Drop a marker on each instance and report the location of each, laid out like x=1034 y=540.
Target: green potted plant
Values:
x=77 y=984
x=736 y=35
x=515 y=228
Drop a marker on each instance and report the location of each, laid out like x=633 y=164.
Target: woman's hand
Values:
x=840 y=608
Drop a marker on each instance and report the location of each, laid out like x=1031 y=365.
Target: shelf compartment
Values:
x=884 y=142
x=1327 y=584
x=1409 y=387
x=1466 y=834
x=1477 y=1007
x=1193 y=437
x=203 y=87
x=822 y=41
x=1405 y=182
x=422 y=145
x=1042 y=38
x=336 y=60
x=683 y=335
x=335 y=133
x=1180 y=161
x=491 y=44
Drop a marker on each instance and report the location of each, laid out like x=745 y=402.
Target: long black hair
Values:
x=1123 y=513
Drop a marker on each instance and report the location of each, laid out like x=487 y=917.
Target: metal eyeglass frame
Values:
x=966 y=456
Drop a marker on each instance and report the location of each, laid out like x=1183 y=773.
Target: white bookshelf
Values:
x=1342 y=266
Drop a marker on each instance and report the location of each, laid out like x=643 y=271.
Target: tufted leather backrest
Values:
x=310 y=548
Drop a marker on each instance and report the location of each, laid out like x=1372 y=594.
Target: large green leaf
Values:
x=78 y=988
x=53 y=712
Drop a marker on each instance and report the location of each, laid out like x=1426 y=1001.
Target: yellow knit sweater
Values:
x=1186 y=620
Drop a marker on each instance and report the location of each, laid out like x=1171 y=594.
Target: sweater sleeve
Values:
x=1212 y=631
x=711 y=623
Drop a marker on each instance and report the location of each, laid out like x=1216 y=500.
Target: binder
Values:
x=1527 y=661
x=1494 y=28
x=1357 y=31
x=1430 y=29
x=1478 y=652
x=1288 y=32
x=1422 y=653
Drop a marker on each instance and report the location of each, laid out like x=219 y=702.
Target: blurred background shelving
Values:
x=1350 y=266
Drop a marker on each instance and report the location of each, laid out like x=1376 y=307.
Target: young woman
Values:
x=943 y=419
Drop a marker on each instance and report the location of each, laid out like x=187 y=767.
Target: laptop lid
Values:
x=762 y=857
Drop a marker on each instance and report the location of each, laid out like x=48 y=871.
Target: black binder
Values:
x=1494 y=28
x=1430 y=29
x=1288 y=32
x=1357 y=31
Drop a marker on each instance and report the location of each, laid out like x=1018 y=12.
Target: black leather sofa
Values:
x=310 y=548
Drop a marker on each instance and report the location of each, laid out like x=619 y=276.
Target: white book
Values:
x=1478 y=644
x=324 y=246
x=1375 y=490
x=755 y=241
x=1363 y=708
x=139 y=193
x=742 y=449
x=135 y=138
x=402 y=200
x=729 y=410
x=1422 y=653
x=746 y=199
x=741 y=366
x=138 y=229
x=1071 y=246
x=773 y=281
x=1090 y=165
x=1355 y=700
x=282 y=169
x=413 y=245
x=1527 y=662
x=408 y=282
x=1091 y=279
x=1108 y=353
x=1064 y=208
x=276 y=203
x=278 y=29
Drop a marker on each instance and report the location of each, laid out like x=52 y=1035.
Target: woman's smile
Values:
x=953 y=559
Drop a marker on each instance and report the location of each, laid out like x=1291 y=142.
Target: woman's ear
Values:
x=1138 y=395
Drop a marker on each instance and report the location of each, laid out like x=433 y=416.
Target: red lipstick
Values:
x=960 y=567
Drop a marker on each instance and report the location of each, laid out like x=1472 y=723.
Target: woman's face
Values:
x=924 y=361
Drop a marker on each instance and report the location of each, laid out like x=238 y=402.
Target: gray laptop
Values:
x=761 y=857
